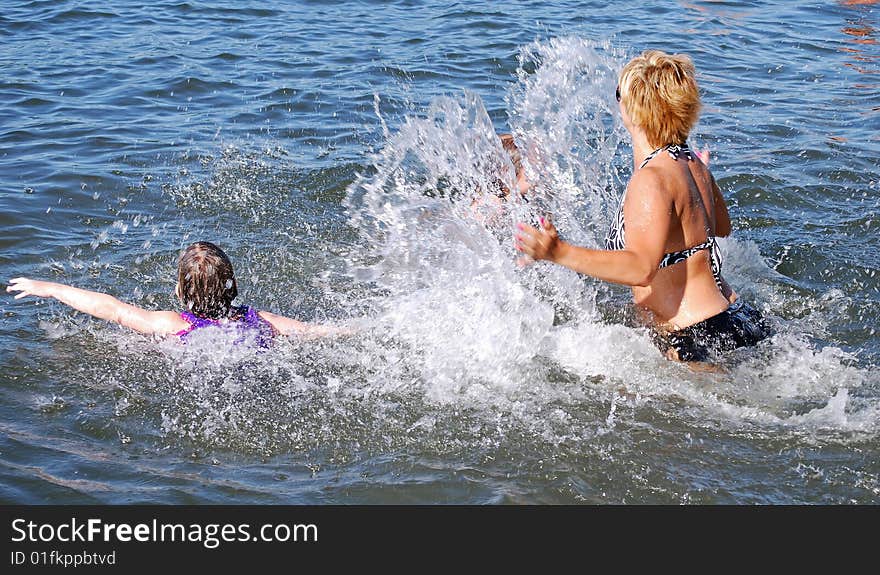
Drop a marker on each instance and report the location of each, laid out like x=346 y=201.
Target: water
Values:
x=328 y=148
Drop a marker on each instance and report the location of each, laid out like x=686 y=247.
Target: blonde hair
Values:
x=660 y=94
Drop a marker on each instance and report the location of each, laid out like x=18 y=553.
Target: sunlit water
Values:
x=334 y=151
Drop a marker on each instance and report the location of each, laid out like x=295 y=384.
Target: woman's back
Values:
x=685 y=290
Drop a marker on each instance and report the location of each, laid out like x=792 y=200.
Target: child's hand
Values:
x=29 y=287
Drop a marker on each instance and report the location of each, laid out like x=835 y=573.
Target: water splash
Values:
x=483 y=334
x=459 y=349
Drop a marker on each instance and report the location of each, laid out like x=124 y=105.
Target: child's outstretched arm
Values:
x=289 y=326
x=102 y=306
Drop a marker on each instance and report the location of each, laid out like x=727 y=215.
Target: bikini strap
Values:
x=675 y=152
x=650 y=157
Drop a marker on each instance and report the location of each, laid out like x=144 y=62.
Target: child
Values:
x=485 y=207
x=522 y=183
x=205 y=285
x=497 y=187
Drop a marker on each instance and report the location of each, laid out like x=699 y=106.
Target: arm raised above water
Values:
x=101 y=306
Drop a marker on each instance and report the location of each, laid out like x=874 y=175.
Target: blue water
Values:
x=320 y=144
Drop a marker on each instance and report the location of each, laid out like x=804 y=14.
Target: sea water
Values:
x=335 y=151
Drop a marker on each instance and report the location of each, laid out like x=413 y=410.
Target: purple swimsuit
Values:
x=245 y=320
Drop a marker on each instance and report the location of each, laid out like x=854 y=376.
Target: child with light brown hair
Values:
x=206 y=287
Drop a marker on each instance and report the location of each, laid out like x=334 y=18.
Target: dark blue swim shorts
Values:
x=739 y=325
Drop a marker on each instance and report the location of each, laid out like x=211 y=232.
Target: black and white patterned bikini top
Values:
x=616 y=238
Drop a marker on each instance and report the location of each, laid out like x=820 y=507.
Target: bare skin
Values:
x=107 y=307
x=668 y=207
x=522 y=183
x=487 y=207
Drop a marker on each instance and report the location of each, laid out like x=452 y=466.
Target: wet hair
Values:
x=206 y=283
x=660 y=94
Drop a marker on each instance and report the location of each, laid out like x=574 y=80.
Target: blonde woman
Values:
x=662 y=242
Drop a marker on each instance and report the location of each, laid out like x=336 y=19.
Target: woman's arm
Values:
x=647 y=213
x=289 y=326
x=102 y=306
x=722 y=217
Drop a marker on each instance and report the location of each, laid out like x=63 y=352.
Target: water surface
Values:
x=328 y=148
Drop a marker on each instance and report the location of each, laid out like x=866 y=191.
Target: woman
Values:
x=662 y=242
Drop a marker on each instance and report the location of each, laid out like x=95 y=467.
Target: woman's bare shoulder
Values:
x=649 y=182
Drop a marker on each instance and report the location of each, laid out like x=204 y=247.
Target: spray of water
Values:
x=459 y=349
x=483 y=333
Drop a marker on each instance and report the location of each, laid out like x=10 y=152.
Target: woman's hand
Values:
x=543 y=244
x=28 y=287
x=704 y=156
